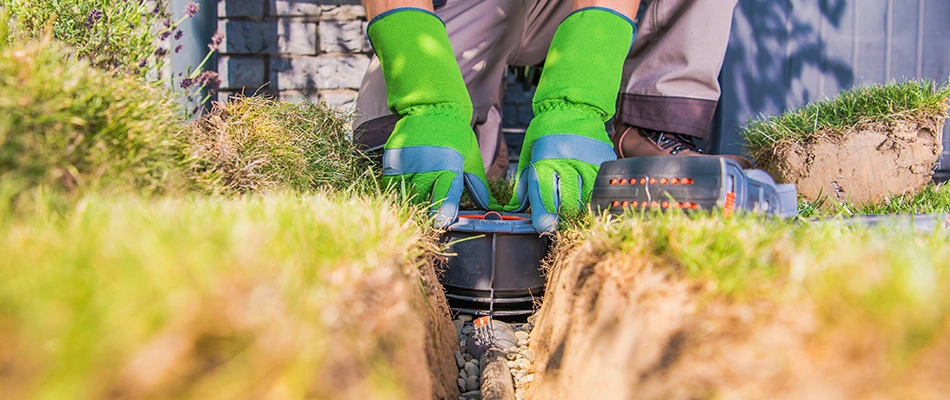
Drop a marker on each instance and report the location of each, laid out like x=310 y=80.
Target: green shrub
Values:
x=255 y=144
x=111 y=34
x=66 y=125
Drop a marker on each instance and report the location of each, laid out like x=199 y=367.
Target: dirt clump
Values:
x=870 y=163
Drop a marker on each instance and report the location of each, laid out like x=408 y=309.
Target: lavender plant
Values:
x=125 y=36
x=115 y=35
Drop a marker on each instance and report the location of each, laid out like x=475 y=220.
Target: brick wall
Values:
x=293 y=49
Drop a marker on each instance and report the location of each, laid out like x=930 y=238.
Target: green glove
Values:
x=432 y=148
x=566 y=141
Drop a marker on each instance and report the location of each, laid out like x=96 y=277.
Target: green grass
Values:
x=851 y=108
x=932 y=199
x=204 y=297
x=68 y=126
x=255 y=144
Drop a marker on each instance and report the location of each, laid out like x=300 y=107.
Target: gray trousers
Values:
x=670 y=78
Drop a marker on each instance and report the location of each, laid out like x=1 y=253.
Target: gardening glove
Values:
x=566 y=141
x=432 y=148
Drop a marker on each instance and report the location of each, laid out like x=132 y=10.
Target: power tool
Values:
x=689 y=183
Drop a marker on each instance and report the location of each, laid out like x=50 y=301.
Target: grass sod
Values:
x=256 y=144
x=851 y=108
x=69 y=127
x=893 y=283
x=207 y=297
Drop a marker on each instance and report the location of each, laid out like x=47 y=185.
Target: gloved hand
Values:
x=432 y=148
x=566 y=141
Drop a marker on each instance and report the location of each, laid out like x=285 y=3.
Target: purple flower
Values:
x=164 y=35
x=209 y=78
x=191 y=10
x=178 y=49
x=93 y=17
x=167 y=22
x=187 y=83
x=160 y=52
x=179 y=34
x=143 y=63
x=216 y=40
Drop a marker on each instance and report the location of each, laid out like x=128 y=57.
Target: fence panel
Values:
x=787 y=53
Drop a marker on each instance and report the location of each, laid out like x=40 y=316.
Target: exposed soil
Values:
x=613 y=326
x=389 y=337
x=868 y=164
x=442 y=339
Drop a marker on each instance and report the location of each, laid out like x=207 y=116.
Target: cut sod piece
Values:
x=862 y=147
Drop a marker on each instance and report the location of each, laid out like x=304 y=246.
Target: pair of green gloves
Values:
x=433 y=149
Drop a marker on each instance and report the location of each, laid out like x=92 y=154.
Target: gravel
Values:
x=520 y=359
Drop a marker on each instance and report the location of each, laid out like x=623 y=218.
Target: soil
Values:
x=389 y=335
x=441 y=339
x=868 y=164
x=614 y=326
x=403 y=327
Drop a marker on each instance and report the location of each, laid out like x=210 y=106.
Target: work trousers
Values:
x=670 y=80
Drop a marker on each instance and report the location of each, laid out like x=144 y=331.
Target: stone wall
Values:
x=293 y=49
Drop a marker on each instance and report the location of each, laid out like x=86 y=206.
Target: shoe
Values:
x=639 y=142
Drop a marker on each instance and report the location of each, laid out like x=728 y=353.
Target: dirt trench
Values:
x=398 y=327
x=614 y=326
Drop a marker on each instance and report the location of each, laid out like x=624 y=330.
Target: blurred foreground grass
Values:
x=205 y=298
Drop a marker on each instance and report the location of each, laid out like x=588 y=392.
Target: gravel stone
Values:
x=468 y=329
x=471 y=383
x=458 y=324
x=473 y=395
x=471 y=369
x=465 y=317
x=459 y=360
x=521 y=335
x=461 y=383
x=529 y=355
